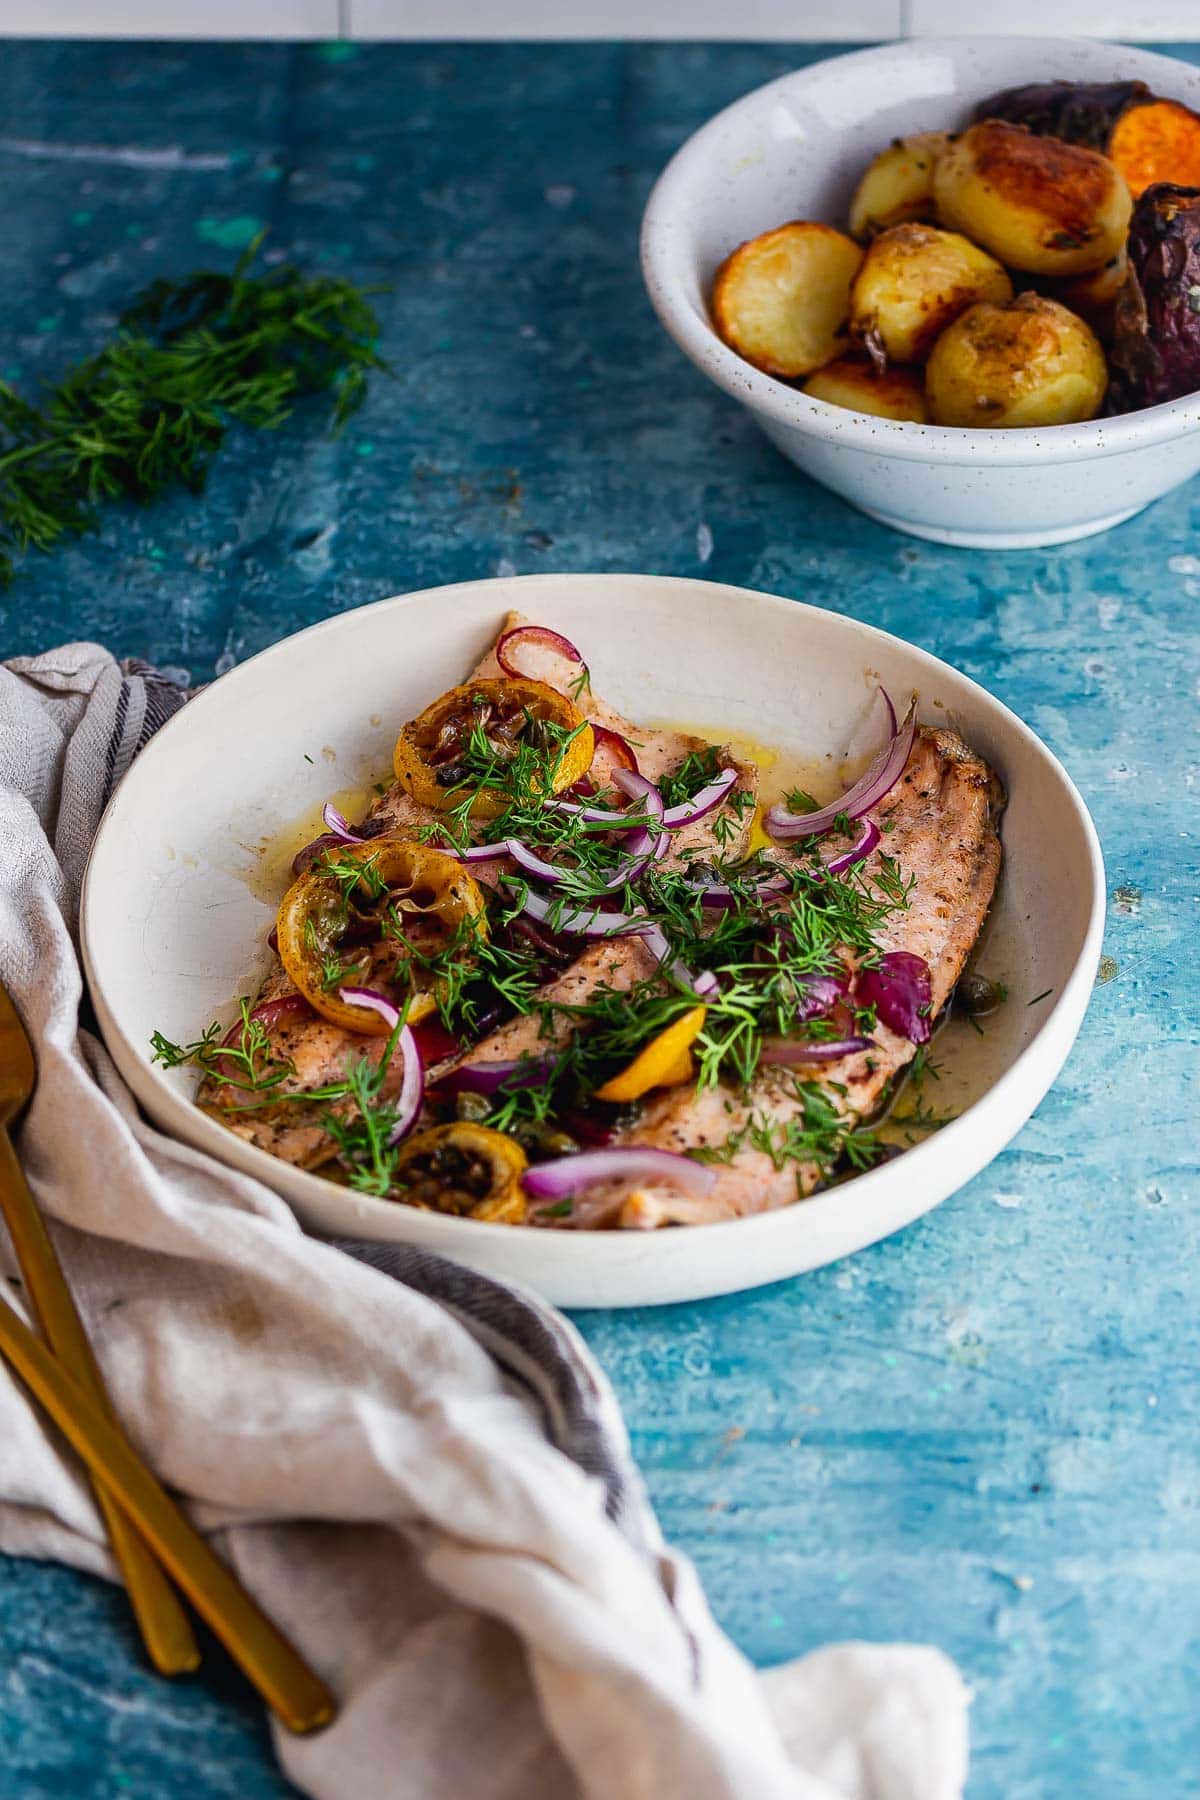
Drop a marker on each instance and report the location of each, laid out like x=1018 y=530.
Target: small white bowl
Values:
x=795 y=149
x=176 y=909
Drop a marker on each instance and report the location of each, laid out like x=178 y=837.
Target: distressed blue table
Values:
x=982 y=1433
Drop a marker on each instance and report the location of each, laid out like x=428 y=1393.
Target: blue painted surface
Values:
x=983 y=1432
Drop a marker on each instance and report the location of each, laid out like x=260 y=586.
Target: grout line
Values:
x=344 y=28
x=906 y=18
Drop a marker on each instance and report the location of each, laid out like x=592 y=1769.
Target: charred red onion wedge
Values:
x=868 y=838
x=870 y=788
x=338 y=825
x=268 y=1014
x=305 y=858
x=619 y=750
x=818 y=996
x=569 y=1175
x=412 y=1081
x=542 y=638
x=701 y=804
x=786 y=1051
x=900 y=988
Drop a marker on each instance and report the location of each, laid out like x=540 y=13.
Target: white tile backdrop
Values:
x=738 y=19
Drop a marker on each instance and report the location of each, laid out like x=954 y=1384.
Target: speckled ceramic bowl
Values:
x=186 y=872
x=795 y=149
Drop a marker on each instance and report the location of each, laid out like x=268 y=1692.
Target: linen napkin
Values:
x=421 y=1473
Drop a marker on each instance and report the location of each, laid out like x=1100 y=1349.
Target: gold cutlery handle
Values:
x=161 y=1619
x=299 y=1698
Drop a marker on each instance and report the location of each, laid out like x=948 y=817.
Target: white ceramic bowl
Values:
x=795 y=149
x=175 y=910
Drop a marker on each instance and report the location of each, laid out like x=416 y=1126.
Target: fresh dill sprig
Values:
x=150 y=410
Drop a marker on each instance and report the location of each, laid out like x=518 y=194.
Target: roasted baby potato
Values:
x=898 y=185
x=1040 y=205
x=1156 y=338
x=781 y=300
x=1028 y=363
x=855 y=381
x=913 y=282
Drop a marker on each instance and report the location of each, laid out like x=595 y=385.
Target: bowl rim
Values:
x=998 y=1114
x=666 y=270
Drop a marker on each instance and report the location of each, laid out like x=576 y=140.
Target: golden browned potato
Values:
x=913 y=282
x=1094 y=295
x=898 y=185
x=781 y=300
x=854 y=381
x=1040 y=205
x=1028 y=363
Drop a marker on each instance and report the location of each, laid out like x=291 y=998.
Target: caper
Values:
x=977 y=996
x=472 y=1107
x=556 y=1143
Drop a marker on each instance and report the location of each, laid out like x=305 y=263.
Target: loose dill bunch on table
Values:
x=150 y=410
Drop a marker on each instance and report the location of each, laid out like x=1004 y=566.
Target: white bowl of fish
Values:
x=631 y=915
x=844 y=271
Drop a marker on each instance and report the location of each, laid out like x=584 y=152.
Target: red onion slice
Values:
x=374 y=1001
x=597 y=815
x=705 y=985
x=701 y=804
x=412 y=1081
x=870 y=788
x=786 y=1051
x=338 y=825
x=487 y=1077
x=649 y=845
x=900 y=989
x=857 y=853
x=412 y=1087
x=542 y=638
x=569 y=1175
x=477 y=853
x=576 y=923
x=533 y=864
x=715 y=893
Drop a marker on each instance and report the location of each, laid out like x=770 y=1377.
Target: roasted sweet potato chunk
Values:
x=781 y=300
x=1159 y=141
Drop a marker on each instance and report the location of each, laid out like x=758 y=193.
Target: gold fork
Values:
x=68 y=1384
x=163 y=1623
